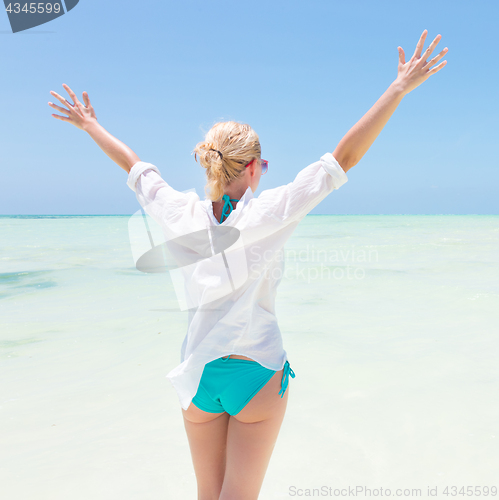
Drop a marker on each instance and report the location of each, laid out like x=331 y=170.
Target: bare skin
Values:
x=231 y=453
x=411 y=74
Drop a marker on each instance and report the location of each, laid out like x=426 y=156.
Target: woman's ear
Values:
x=253 y=166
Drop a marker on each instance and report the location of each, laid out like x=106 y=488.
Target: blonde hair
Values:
x=238 y=143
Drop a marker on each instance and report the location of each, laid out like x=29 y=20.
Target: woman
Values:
x=234 y=372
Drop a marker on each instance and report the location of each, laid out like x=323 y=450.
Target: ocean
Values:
x=390 y=323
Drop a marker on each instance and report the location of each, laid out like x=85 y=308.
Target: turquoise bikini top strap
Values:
x=227 y=208
x=226 y=358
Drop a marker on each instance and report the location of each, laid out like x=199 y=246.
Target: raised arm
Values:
x=83 y=117
x=359 y=138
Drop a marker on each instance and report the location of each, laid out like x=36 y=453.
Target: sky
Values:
x=159 y=74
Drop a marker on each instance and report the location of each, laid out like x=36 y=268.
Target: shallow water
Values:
x=390 y=324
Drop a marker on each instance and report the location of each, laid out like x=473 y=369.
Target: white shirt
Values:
x=227 y=274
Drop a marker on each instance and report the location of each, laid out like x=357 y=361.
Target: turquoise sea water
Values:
x=391 y=325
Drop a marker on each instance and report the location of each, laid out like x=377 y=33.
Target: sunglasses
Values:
x=263 y=163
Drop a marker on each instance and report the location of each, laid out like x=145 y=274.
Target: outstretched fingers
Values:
x=72 y=94
x=420 y=45
x=86 y=100
x=78 y=114
x=417 y=69
x=61 y=99
x=437 y=68
x=435 y=59
x=430 y=49
x=401 y=55
x=63 y=118
x=58 y=108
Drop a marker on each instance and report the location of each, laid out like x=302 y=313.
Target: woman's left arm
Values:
x=83 y=117
x=411 y=74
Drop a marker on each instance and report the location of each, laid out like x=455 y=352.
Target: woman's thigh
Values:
x=207 y=436
x=251 y=438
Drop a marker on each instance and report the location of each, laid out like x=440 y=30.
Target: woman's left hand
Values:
x=416 y=70
x=78 y=114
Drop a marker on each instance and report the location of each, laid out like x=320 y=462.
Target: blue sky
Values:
x=160 y=73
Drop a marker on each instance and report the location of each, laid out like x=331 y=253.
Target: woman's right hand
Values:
x=414 y=72
x=79 y=115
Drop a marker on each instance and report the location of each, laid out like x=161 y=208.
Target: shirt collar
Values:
x=247 y=196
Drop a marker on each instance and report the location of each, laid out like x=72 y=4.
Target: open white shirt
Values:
x=227 y=274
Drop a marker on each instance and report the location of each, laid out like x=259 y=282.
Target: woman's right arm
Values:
x=83 y=117
x=360 y=137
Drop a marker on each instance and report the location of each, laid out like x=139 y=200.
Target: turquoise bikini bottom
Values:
x=228 y=386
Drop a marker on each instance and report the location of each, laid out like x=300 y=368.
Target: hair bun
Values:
x=221 y=155
x=226 y=147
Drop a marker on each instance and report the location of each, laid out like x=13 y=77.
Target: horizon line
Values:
x=308 y=215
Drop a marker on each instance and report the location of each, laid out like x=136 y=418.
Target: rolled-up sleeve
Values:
x=137 y=170
x=159 y=200
x=293 y=201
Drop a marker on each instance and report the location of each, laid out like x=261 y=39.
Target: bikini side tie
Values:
x=285 y=378
x=227 y=207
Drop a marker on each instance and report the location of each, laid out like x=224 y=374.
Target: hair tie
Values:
x=221 y=155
